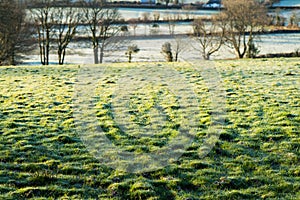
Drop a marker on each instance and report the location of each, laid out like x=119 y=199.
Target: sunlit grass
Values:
x=256 y=157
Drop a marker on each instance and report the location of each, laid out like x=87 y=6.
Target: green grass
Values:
x=257 y=155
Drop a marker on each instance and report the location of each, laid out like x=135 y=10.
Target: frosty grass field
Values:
x=43 y=154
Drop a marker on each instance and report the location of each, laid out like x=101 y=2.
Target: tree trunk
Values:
x=206 y=56
x=240 y=55
x=41 y=46
x=59 y=52
x=96 y=60
x=176 y=56
x=42 y=55
x=101 y=54
x=12 y=58
x=47 y=47
x=129 y=57
x=169 y=57
x=63 y=57
x=250 y=46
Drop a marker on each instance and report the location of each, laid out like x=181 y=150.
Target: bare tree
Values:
x=15 y=33
x=156 y=16
x=102 y=26
x=179 y=45
x=134 y=24
x=131 y=50
x=171 y=19
x=43 y=17
x=242 y=20
x=208 y=37
x=293 y=20
x=146 y=16
x=188 y=10
x=278 y=19
x=145 y=19
x=66 y=20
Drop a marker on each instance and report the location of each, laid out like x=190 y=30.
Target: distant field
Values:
x=257 y=156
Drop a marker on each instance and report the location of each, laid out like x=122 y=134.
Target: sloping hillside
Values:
x=46 y=154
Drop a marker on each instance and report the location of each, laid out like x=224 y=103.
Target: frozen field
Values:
x=150 y=50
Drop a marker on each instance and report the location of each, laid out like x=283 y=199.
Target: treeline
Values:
x=49 y=27
x=15 y=32
x=52 y=28
x=237 y=26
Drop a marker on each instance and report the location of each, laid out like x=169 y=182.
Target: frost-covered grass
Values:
x=257 y=155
